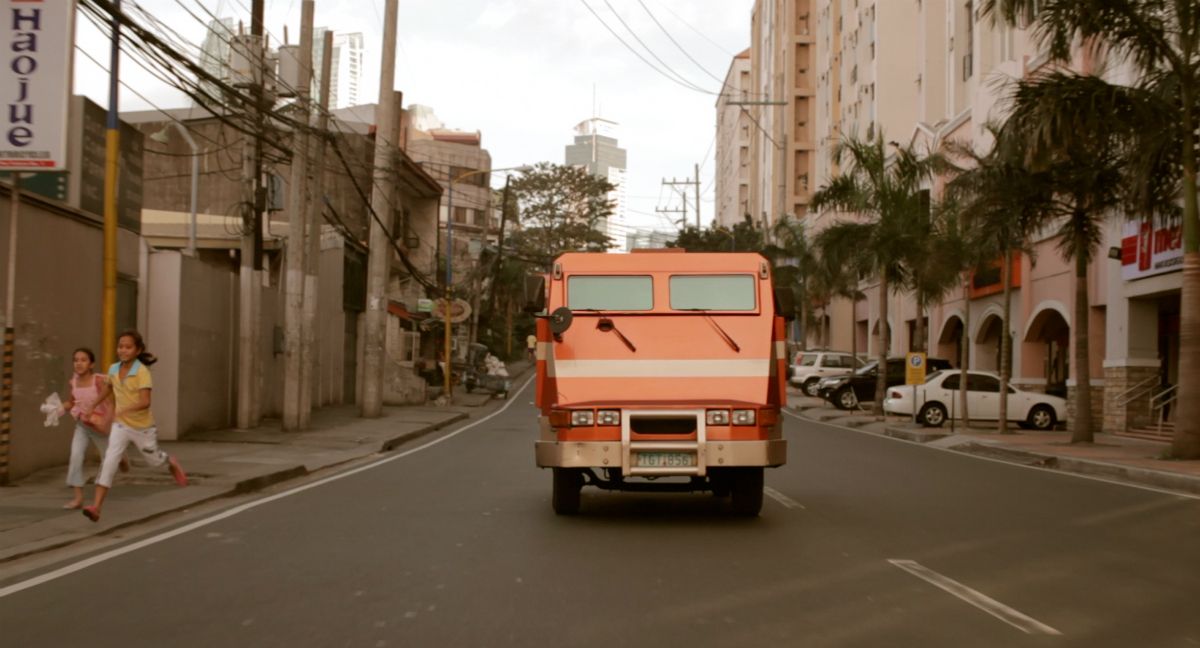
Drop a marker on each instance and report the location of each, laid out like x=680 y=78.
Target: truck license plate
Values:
x=664 y=459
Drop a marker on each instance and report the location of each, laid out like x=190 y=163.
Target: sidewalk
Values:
x=219 y=464
x=1113 y=457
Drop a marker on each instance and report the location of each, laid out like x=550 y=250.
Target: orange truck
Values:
x=661 y=370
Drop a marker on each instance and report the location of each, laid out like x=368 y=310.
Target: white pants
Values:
x=79 y=443
x=146 y=440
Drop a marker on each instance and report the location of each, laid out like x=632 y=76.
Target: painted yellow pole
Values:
x=112 y=155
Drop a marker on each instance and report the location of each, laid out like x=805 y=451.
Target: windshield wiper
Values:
x=725 y=336
x=606 y=324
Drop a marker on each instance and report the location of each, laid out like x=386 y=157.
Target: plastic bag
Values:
x=53 y=409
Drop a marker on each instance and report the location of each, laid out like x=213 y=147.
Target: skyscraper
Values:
x=347 y=66
x=214 y=54
x=595 y=149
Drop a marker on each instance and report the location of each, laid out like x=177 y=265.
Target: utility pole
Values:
x=10 y=329
x=380 y=252
x=293 y=340
x=112 y=156
x=250 y=279
x=491 y=303
x=316 y=203
x=674 y=184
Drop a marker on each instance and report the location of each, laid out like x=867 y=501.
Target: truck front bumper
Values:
x=609 y=454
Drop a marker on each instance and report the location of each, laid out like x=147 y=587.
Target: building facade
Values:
x=783 y=109
x=733 y=144
x=596 y=149
x=929 y=72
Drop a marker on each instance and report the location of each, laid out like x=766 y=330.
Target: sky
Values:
x=522 y=72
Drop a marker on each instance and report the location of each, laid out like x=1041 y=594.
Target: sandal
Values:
x=177 y=471
x=91 y=513
x=72 y=506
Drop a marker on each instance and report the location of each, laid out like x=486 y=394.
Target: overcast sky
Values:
x=520 y=71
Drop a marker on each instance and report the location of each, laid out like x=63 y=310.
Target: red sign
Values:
x=1151 y=247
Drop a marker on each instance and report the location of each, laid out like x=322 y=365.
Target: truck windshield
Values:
x=610 y=293
x=712 y=292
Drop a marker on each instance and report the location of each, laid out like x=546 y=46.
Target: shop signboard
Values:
x=35 y=41
x=1150 y=247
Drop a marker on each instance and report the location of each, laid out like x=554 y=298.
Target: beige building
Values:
x=782 y=113
x=928 y=72
x=733 y=144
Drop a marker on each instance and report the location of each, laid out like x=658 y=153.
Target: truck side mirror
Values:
x=785 y=303
x=535 y=294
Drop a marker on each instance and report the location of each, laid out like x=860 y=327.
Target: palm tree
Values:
x=1084 y=170
x=800 y=271
x=1002 y=202
x=1161 y=39
x=884 y=191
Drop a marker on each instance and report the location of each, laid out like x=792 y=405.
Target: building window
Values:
x=460 y=214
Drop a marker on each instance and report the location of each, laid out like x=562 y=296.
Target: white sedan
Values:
x=939 y=396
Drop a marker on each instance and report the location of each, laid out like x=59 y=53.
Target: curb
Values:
x=395 y=442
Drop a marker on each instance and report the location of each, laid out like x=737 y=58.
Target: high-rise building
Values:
x=782 y=87
x=346 y=77
x=596 y=150
x=733 y=144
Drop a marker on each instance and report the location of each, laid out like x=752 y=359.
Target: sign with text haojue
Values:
x=35 y=43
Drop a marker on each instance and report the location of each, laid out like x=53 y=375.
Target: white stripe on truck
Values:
x=752 y=368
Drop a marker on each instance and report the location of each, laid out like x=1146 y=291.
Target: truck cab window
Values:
x=713 y=292
x=610 y=293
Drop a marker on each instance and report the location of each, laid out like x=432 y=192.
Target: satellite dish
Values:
x=560 y=320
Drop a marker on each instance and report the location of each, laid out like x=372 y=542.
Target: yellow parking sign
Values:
x=914 y=369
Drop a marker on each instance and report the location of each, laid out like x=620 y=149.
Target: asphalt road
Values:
x=456 y=545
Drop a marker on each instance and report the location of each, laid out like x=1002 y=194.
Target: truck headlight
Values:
x=743 y=417
x=717 y=417
x=582 y=418
x=608 y=417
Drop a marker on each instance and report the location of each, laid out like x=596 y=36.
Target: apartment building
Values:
x=927 y=72
x=782 y=109
x=733 y=144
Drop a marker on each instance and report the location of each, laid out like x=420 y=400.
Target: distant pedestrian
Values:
x=129 y=382
x=85 y=394
x=531 y=346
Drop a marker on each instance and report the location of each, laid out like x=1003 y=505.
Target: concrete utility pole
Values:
x=249 y=278
x=112 y=157
x=697 y=196
x=673 y=183
x=316 y=204
x=380 y=252
x=10 y=334
x=296 y=253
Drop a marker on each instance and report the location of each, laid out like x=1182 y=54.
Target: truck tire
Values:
x=747 y=491
x=567 y=484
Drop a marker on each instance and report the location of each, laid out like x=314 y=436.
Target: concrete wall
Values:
x=57 y=308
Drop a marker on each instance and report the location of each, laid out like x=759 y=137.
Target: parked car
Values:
x=810 y=366
x=936 y=399
x=846 y=391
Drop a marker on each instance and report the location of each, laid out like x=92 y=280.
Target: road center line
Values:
x=1024 y=623
x=781 y=498
x=109 y=555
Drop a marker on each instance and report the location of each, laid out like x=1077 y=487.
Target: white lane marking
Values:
x=1045 y=471
x=1022 y=622
x=781 y=498
x=109 y=555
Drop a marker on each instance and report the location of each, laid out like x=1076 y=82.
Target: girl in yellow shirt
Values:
x=130 y=384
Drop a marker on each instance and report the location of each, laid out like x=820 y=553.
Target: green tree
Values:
x=884 y=191
x=1161 y=38
x=743 y=237
x=794 y=264
x=562 y=209
x=1002 y=202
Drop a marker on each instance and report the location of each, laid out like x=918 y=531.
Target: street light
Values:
x=450 y=257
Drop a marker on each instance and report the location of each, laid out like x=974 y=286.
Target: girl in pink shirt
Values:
x=94 y=427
